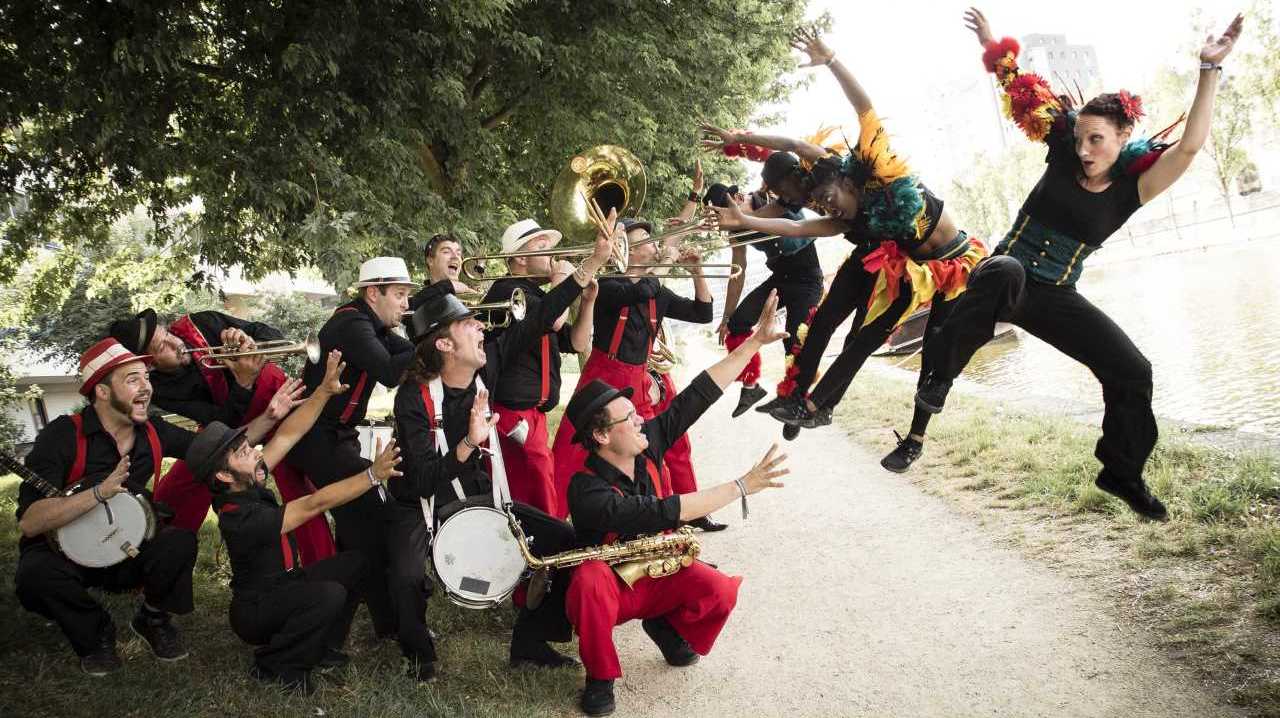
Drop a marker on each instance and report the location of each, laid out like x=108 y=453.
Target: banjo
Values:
x=106 y=534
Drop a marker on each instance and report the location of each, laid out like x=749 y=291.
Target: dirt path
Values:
x=865 y=597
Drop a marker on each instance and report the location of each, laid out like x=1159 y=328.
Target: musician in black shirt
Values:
x=528 y=385
x=237 y=395
x=441 y=419
x=619 y=496
x=330 y=451
x=107 y=448
x=298 y=616
x=444 y=262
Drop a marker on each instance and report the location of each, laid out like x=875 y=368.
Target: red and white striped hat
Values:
x=99 y=359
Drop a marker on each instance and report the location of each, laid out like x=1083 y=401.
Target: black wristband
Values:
x=694 y=197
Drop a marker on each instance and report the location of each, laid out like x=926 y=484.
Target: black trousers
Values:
x=328 y=454
x=54 y=587
x=849 y=294
x=795 y=294
x=410 y=553
x=999 y=290
x=306 y=612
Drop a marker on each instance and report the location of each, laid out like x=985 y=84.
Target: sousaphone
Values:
x=610 y=175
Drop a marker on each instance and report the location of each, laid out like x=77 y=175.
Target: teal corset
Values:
x=1047 y=255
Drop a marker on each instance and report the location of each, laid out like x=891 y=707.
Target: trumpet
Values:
x=617 y=259
x=513 y=309
x=214 y=356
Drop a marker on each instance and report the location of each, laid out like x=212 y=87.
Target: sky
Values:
x=907 y=53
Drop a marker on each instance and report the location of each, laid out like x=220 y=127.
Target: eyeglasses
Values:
x=619 y=421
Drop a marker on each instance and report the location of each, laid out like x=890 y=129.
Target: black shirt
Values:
x=372 y=353
x=789 y=257
x=1059 y=202
x=426 y=471
x=597 y=507
x=519 y=374
x=250 y=523
x=184 y=391
x=54 y=453
x=618 y=293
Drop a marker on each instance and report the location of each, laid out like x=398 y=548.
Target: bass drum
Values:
x=476 y=557
x=109 y=532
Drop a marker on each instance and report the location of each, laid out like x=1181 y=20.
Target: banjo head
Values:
x=476 y=558
x=99 y=538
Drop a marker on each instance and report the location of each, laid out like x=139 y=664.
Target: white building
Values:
x=1066 y=67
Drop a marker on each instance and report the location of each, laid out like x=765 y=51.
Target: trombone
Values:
x=513 y=309
x=214 y=356
x=617 y=258
x=727 y=271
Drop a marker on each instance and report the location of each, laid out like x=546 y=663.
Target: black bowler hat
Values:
x=205 y=454
x=587 y=401
x=435 y=313
x=630 y=223
x=135 y=334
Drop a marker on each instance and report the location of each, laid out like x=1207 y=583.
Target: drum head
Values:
x=476 y=557
x=94 y=542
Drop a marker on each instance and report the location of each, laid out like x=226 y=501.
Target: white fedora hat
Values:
x=524 y=231
x=383 y=270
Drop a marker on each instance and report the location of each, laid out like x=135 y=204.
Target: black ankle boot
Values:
x=673 y=646
x=597 y=697
x=1134 y=493
x=750 y=395
x=790 y=432
x=792 y=411
x=901 y=458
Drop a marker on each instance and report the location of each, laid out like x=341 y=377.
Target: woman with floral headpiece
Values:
x=908 y=253
x=1095 y=178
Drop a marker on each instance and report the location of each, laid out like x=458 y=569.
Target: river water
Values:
x=1209 y=321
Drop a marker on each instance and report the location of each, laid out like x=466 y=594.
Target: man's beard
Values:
x=249 y=479
x=124 y=407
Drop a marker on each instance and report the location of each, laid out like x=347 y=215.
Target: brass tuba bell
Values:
x=610 y=175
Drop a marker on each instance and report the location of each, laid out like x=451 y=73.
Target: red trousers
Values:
x=570 y=458
x=530 y=468
x=696 y=601
x=678 y=461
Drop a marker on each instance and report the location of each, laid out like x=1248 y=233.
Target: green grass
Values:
x=1207 y=582
x=40 y=676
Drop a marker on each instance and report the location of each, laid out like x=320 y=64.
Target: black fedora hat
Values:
x=587 y=401
x=435 y=313
x=207 y=449
x=136 y=332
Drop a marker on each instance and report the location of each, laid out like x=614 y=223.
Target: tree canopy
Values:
x=276 y=135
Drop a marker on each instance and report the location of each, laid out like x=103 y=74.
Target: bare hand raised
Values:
x=808 y=41
x=716 y=138
x=285 y=399
x=729 y=218
x=385 y=460
x=481 y=421
x=977 y=22
x=114 y=483
x=333 y=368
x=762 y=475
x=766 y=331
x=1216 y=49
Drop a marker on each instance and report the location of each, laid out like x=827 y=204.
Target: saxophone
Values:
x=652 y=556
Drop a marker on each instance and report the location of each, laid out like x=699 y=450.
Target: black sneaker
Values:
x=901 y=458
x=1134 y=493
x=791 y=411
x=674 y=648
x=597 y=697
x=790 y=432
x=159 y=634
x=706 y=524
x=102 y=661
x=932 y=394
x=750 y=395
x=815 y=419
x=332 y=660
x=769 y=406
x=539 y=654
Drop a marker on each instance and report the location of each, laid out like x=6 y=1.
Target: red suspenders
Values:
x=358 y=389
x=616 y=340
x=77 y=466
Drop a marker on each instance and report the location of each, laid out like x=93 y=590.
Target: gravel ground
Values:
x=866 y=597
